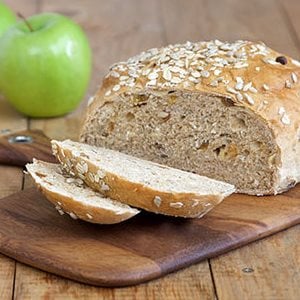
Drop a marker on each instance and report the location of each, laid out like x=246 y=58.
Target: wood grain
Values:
x=229 y=20
x=7 y=269
x=145 y=247
x=193 y=20
x=126 y=31
x=21 y=147
x=277 y=25
x=191 y=283
x=11 y=178
x=291 y=11
x=10 y=182
x=274 y=275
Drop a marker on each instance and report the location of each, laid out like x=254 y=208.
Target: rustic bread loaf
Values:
x=141 y=183
x=72 y=196
x=229 y=111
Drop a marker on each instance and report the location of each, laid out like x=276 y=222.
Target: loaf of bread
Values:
x=141 y=183
x=70 y=195
x=229 y=111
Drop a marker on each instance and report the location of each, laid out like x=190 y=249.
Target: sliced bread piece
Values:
x=141 y=183
x=72 y=196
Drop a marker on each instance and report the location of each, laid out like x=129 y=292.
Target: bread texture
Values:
x=229 y=111
x=141 y=183
x=70 y=195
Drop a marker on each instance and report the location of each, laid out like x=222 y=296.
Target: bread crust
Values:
x=77 y=209
x=252 y=76
x=188 y=205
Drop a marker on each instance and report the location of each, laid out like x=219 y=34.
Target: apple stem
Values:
x=25 y=21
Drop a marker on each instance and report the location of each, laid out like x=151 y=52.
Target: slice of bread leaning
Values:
x=143 y=184
x=72 y=196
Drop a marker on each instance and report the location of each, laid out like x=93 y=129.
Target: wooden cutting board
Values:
x=143 y=248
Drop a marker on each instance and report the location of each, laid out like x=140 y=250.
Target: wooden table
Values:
x=118 y=29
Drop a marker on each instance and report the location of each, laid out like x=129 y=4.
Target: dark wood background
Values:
x=118 y=29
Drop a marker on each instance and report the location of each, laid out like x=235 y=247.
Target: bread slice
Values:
x=72 y=196
x=229 y=111
x=141 y=183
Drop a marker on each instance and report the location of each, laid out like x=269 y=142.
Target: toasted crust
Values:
x=249 y=74
x=189 y=205
x=75 y=207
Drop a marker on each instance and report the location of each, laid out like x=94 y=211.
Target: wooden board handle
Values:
x=21 y=147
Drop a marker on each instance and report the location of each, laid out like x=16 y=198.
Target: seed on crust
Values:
x=157 y=201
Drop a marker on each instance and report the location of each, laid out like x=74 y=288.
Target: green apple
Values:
x=7 y=18
x=45 y=65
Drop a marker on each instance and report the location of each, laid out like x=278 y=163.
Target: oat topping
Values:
x=296 y=62
x=266 y=87
x=249 y=99
x=91 y=100
x=70 y=180
x=89 y=216
x=116 y=87
x=107 y=94
x=104 y=187
x=239 y=83
x=281 y=110
x=294 y=78
x=284 y=117
x=247 y=86
x=239 y=96
x=91 y=177
x=195 y=202
x=73 y=216
x=157 y=201
x=59 y=209
x=285 y=120
x=231 y=90
x=288 y=84
x=153 y=75
x=176 y=204
x=100 y=174
x=202 y=63
x=217 y=72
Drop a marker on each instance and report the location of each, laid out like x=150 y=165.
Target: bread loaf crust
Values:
x=248 y=74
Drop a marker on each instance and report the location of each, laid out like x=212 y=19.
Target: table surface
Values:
x=118 y=29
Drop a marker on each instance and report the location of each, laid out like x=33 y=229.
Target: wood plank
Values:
x=271 y=35
x=228 y=20
x=116 y=30
x=10 y=182
x=11 y=177
x=291 y=11
x=146 y=247
x=7 y=270
x=185 y=284
x=27 y=8
x=276 y=269
x=254 y=20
